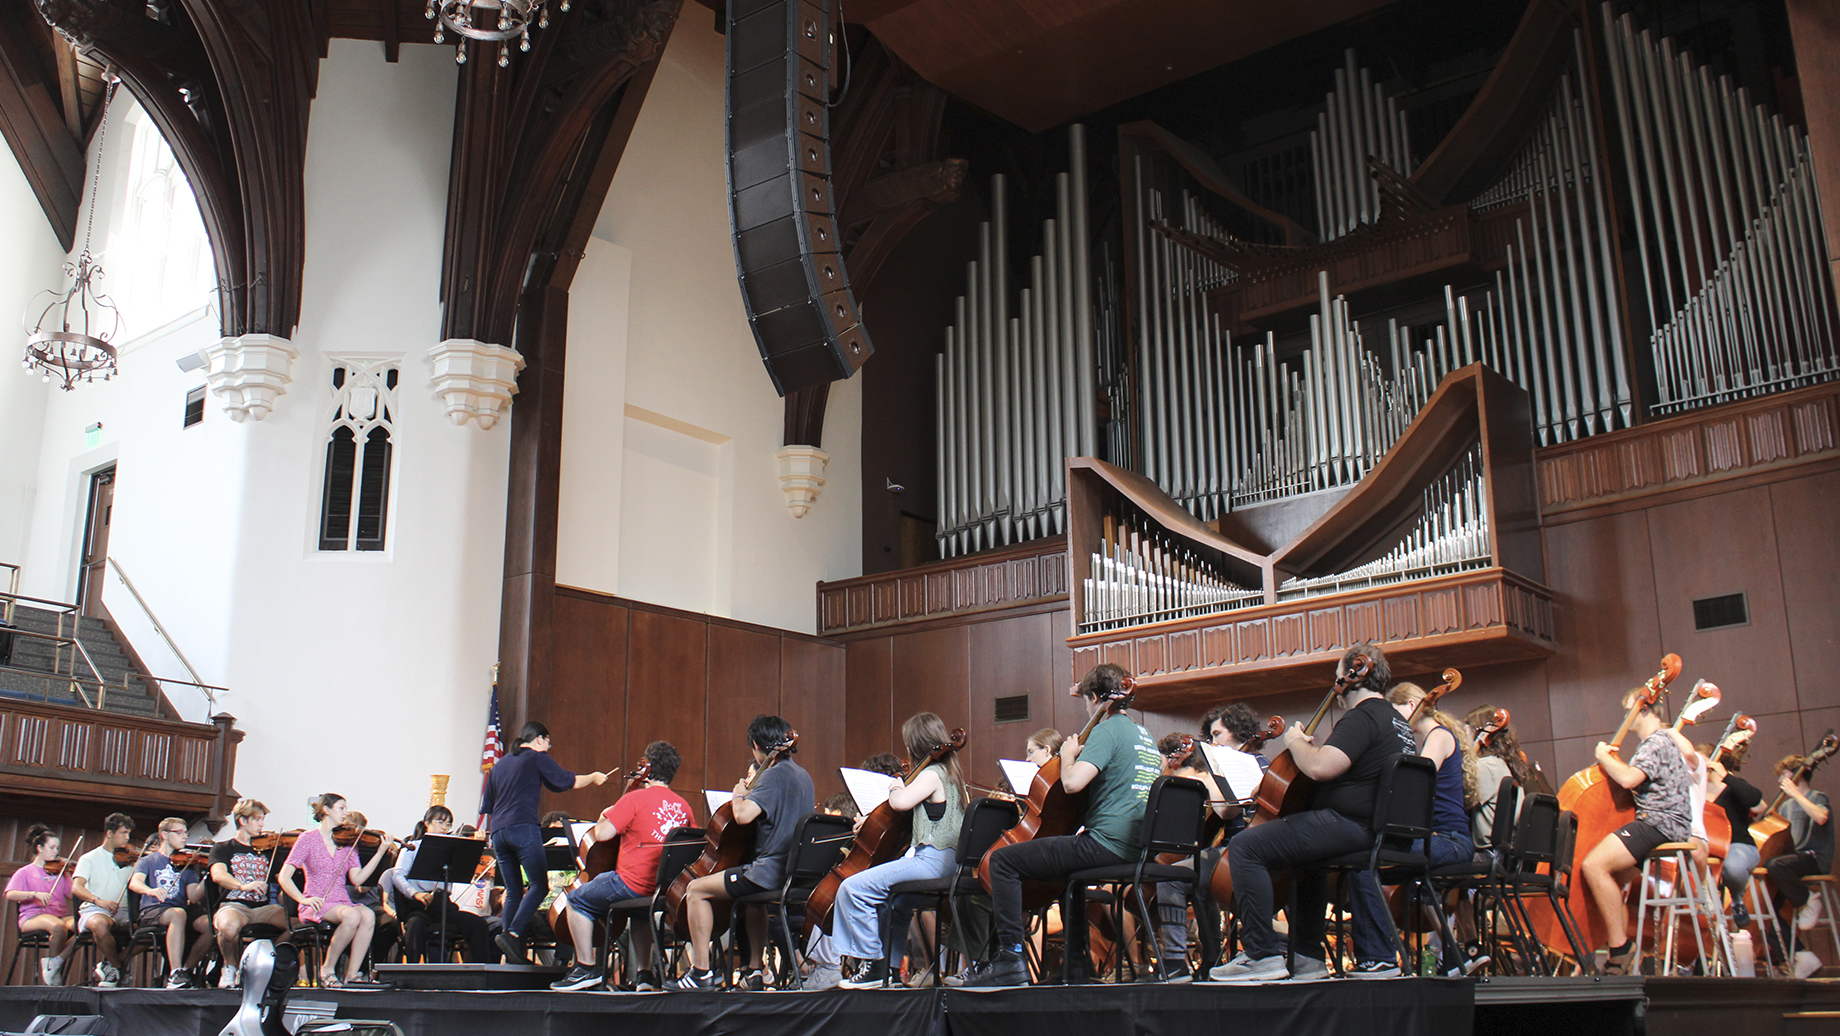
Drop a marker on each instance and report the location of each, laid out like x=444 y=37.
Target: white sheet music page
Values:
x=1020 y=774
x=1240 y=771
x=868 y=788
x=717 y=799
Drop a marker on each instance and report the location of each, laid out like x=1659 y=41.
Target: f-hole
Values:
x=101 y=512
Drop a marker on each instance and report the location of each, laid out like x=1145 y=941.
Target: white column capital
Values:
x=248 y=372
x=476 y=379
x=801 y=476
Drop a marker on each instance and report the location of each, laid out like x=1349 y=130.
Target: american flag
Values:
x=495 y=741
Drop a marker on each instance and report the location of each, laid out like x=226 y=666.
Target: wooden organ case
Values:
x=1435 y=554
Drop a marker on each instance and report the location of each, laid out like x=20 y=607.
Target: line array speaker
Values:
x=780 y=204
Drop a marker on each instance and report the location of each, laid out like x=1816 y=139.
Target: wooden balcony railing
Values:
x=57 y=752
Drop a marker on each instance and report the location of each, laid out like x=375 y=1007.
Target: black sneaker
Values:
x=580 y=976
x=1174 y=974
x=751 y=982
x=513 y=948
x=646 y=982
x=1004 y=971
x=1375 y=969
x=1740 y=916
x=696 y=978
x=862 y=974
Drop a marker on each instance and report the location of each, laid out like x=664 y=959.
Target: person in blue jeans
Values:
x=512 y=807
x=1347 y=772
x=1446 y=742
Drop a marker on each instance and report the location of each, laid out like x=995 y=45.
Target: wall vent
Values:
x=1711 y=613
x=1013 y=709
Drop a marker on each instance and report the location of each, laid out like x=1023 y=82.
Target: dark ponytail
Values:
x=532 y=730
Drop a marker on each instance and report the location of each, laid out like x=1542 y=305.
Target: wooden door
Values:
x=91 y=576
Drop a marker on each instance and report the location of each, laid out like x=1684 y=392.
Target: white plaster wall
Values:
x=690 y=359
x=593 y=421
x=29 y=258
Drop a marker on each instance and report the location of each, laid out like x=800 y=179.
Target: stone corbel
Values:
x=801 y=476
x=476 y=379
x=247 y=373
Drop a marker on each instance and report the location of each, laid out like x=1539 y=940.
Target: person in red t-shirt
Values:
x=641 y=820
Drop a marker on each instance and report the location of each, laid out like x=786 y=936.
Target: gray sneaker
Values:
x=107 y=975
x=1308 y=969
x=1244 y=969
x=824 y=976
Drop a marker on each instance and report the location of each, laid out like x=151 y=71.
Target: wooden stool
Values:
x=1763 y=916
x=1823 y=885
x=1686 y=900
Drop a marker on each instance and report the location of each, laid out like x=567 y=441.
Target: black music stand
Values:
x=437 y=859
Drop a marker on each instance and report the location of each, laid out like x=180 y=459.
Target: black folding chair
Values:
x=1403 y=805
x=818 y=844
x=1174 y=818
x=37 y=943
x=1546 y=837
x=985 y=821
x=681 y=849
x=1483 y=875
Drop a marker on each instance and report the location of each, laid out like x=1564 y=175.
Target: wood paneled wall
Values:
x=625 y=673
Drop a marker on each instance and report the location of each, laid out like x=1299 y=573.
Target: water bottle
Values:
x=1743 y=955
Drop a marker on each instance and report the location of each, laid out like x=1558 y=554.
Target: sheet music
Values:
x=1019 y=773
x=1238 y=770
x=717 y=799
x=577 y=828
x=868 y=788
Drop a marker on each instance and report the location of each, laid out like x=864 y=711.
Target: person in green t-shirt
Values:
x=1114 y=766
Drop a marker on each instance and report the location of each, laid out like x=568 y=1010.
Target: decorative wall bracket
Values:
x=247 y=372
x=801 y=476
x=476 y=379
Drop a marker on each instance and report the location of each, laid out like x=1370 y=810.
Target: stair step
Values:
x=127 y=693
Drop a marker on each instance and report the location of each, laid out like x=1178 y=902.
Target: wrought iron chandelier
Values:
x=514 y=21
x=77 y=344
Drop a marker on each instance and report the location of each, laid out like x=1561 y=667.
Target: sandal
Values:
x=330 y=980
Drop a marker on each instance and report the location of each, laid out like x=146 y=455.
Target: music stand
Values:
x=438 y=857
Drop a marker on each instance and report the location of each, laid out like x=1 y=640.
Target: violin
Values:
x=127 y=855
x=274 y=841
x=726 y=844
x=882 y=836
x=55 y=865
x=190 y=856
x=369 y=840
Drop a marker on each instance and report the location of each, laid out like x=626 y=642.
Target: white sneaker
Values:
x=1809 y=913
x=824 y=976
x=1308 y=969
x=1244 y=969
x=1806 y=963
x=228 y=979
x=49 y=968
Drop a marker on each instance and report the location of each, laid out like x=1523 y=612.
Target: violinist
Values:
x=779 y=796
x=513 y=795
x=422 y=905
x=326 y=867
x=101 y=885
x=42 y=890
x=641 y=820
x=1347 y=770
x=172 y=897
x=1811 y=831
x=1743 y=804
x=1172 y=896
x=1658 y=776
x=1118 y=762
x=240 y=867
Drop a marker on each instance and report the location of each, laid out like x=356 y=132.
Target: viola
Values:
x=1602 y=806
x=1771 y=833
x=55 y=865
x=882 y=836
x=594 y=858
x=1051 y=809
x=726 y=844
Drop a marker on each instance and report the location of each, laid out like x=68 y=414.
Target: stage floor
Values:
x=1400 y=1007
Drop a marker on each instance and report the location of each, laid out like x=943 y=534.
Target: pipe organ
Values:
x=1359 y=124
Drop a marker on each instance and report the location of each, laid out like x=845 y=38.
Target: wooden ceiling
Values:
x=1040 y=63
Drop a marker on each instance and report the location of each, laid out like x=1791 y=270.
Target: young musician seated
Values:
x=1172 y=897
x=1446 y=742
x=1812 y=834
x=1115 y=766
x=781 y=794
x=43 y=900
x=1658 y=776
x=1743 y=804
x=173 y=898
x=936 y=798
x=241 y=872
x=387 y=931
x=101 y=885
x=1041 y=746
x=422 y=906
x=1347 y=770
x=641 y=820
x=326 y=867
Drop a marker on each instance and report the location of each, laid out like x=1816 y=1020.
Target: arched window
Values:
x=355 y=502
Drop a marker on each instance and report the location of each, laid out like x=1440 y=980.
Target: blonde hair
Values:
x=247 y=809
x=923 y=734
x=1405 y=693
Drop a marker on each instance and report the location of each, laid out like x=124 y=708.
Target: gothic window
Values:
x=354 y=506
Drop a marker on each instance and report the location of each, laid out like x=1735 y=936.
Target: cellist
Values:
x=1347 y=768
x=641 y=820
x=1811 y=831
x=1118 y=761
x=1658 y=777
x=779 y=796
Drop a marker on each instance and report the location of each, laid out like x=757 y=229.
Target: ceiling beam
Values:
x=36 y=114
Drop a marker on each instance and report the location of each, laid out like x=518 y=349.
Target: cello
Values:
x=882 y=836
x=727 y=842
x=1285 y=789
x=1718 y=826
x=593 y=859
x=1771 y=832
x=1601 y=806
x=1050 y=809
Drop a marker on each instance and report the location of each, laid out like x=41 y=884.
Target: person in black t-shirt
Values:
x=1347 y=771
x=1742 y=802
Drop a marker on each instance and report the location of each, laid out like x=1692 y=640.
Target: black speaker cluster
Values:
x=780 y=203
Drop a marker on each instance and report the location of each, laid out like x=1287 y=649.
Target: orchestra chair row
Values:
x=1403 y=805
x=1545 y=836
x=1483 y=875
x=819 y=843
x=681 y=849
x=1174 y=821
x=985 y=821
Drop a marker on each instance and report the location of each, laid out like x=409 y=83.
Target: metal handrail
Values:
x=196 y=680
x=102 y=687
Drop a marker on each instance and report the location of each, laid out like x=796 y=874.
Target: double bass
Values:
x=1771 y=832
x=1050 y=809
x=726 y=844
x=1601 y=806
x=593 y=859
x=882 y=836
x=1718 y=826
